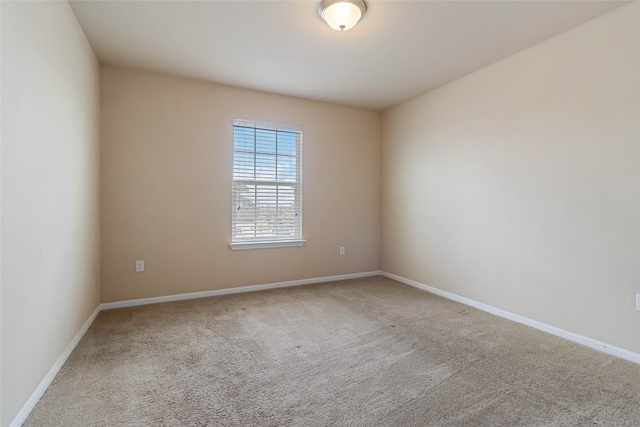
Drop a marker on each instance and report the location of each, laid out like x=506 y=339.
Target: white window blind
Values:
x=267 y=187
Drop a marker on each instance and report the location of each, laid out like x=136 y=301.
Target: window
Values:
x=267 y=186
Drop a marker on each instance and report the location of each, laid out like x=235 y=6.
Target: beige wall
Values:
x=50 y=203
x=518 y=185
x=166 y=187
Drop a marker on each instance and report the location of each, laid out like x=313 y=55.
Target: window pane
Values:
x=243 y=138
x=244 y=197
x=265 y=167
x=287 y=143
x=287 y=169
x=265 y=141
x=243 y=165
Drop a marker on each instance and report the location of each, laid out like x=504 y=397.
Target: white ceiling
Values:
x=399 y=50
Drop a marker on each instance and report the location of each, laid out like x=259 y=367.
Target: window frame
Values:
x=275 y=243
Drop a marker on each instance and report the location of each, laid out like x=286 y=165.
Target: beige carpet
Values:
x=367 y=352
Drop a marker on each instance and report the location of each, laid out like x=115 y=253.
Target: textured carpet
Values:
x=366 y=352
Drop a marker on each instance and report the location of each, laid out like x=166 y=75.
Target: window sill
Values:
x=264 y=245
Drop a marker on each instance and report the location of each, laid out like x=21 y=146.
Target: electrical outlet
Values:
x=637 y=302
x=342 y=250
x=139 y=266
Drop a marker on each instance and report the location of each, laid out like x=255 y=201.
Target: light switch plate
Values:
x=139 y=266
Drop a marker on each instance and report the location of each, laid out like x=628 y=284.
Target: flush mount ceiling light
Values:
x=341 y=15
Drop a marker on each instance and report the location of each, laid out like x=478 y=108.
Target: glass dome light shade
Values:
x=341 y=15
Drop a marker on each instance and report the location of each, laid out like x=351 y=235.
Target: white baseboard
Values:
x=227 y=291
x=21 y=417
x=579 y=339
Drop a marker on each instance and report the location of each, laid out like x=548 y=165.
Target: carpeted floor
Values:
x=365 y=352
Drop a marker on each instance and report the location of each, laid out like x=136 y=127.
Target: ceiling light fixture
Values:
x=341 y=15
